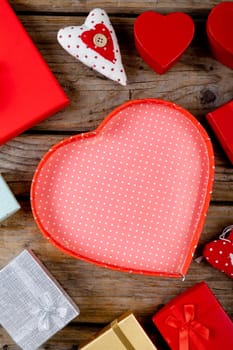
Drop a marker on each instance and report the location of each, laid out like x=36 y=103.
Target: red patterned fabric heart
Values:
x=95 y=44
x=219 y=253
x=99 y=39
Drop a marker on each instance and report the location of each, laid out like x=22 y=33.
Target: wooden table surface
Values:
x=197 y=82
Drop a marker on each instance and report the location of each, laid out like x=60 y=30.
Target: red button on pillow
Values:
x=131 y=195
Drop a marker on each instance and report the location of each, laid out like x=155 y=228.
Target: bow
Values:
x=189 y=328
x=48 y=313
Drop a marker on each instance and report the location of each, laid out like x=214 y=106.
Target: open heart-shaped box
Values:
x=131 y=195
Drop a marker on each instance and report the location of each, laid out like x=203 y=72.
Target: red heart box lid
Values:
x=162 y=39
x=220 y=31
x=131 y=195
x=219 y=25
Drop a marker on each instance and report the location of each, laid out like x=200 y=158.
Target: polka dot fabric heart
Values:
x=131 y=195
x=219 y=253
x=95 y=44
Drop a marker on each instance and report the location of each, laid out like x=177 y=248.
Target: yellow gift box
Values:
x=124 y=333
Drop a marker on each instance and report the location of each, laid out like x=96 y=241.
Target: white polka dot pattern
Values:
x=219 y=253
x=70 y=38
x=130 y=195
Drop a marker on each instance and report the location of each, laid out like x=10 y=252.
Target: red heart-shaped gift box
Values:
x=219 y=30
x=161 y=40
x=131 y=195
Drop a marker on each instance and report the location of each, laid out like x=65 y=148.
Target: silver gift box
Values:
x=33 y=307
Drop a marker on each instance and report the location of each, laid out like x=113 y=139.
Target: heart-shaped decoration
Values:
x=161 y=40
x=95 y=44
x=219 y=253
x=131 y=195
x=220 y=32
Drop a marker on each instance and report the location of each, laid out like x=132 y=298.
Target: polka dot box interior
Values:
x=131 y=195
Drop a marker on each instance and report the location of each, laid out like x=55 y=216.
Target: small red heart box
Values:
x=161 y=40
x=220 y=32
x=219 y=253
x=131 y=195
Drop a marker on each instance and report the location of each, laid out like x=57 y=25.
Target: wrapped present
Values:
x=221 y=121
x=33 y=307
x=8 y=203
x=124 y=333
x=29 y=91
x=195 y=320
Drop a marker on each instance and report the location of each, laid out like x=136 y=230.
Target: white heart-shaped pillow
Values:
x=95 y=44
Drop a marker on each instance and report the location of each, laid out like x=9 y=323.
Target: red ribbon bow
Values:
x=189 y=329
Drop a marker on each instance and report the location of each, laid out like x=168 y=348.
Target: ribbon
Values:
x=190 y=330
x=121 y=336
x=48 y=313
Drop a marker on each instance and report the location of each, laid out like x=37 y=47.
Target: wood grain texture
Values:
x=104 y=294
x=197 y=82
x=86 y=282
x=20 y=157
x=114 y=6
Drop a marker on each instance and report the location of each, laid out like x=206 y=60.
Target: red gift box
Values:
x=195 y=320
x=221 y=121
x=29 y=91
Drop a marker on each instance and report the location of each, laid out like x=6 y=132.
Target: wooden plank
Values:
x=67 y=339
x=73 y=335
x=197 y=82
x=114 y=6
x=20 y=157
x=103 y=294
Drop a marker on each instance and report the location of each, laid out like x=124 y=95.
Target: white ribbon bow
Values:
x=48 y=313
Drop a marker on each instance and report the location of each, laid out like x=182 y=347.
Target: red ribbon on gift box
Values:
x=189 y=328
